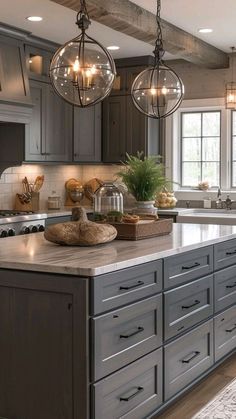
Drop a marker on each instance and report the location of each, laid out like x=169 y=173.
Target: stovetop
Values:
x=13 y=213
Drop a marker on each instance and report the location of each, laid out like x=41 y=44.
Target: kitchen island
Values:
x=116 y=330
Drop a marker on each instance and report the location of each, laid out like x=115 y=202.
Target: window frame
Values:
x=172 y=146
x=201 y=112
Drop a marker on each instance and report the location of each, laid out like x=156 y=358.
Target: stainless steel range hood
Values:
x=13 y=120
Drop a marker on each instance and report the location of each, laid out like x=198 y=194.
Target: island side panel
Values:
x=44 y=346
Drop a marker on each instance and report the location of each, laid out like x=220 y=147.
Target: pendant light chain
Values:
x=82 y=19
x=158 y=51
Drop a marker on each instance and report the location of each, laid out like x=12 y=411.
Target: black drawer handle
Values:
x=231 y=286
x=139 y=283
x=186 y=361
x=139 y=330
x=192 y=266
x=231 y=330
x=127 y=399
x=196 y=302
x=231 y=253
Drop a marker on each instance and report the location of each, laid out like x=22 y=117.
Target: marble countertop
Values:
x=33 y=253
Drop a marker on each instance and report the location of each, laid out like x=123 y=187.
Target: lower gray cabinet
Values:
x=187 y=305
x=225 y=332
x=125 y=335
x=225 y=288
x=224 y=254
x=187 y=358
x=134 y=392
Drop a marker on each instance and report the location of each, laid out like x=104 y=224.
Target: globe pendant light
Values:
x=82 y=71
x=230 y=89
x=157 y=91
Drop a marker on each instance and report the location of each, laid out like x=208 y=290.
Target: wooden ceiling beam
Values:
x=131 y=19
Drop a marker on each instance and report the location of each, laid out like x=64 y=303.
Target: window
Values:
x=200 y=148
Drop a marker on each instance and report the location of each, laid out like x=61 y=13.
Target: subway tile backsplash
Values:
x=55 y=178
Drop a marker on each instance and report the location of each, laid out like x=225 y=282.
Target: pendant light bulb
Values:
x=157 y=91
x=230 y=88
x=82 y=71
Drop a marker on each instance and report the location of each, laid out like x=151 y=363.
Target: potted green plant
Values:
x=144 y=177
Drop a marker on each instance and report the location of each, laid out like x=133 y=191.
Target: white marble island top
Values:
x=33 y=253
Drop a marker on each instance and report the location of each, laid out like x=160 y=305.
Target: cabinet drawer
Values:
x=125 y=286
x=187 y=358
x=225 y=332
x=224 y=254
x=131 y=393
x=187 y=305
x=187 y=266
x=225 y=288
x=124 y=335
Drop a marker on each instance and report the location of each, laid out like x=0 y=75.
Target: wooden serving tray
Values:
x=144 y=229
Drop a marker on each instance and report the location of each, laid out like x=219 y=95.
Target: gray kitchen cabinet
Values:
x=49 y=134
x=125 y=129
x=131 y=393
x=225 y=288
x=14 y=85
x=87 y=134
x=188 y=357
x=38 y=62
x=225 y=332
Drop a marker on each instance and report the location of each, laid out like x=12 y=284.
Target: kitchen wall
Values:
x=55 y=178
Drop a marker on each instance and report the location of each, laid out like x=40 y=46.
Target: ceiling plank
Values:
x=131 y=19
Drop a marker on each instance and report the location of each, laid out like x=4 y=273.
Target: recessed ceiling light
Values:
x=205 y=30
x=34 y=18
x=113 y=47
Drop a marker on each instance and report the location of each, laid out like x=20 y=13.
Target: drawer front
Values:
x=225 y=288
x=125 y=286
x=187 y=266
x=131 y=393
x=124 y=335
x=187 y=305
x=224 y=254
x=187 y=358
x=225 y=332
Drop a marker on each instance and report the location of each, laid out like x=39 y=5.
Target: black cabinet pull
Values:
x=127 y=399
x=192 y=266
x=186 y=361
x=139 y=330
x=196 y=302
x=231 y=286
x=231 y=253
x=139 y=283
x=231 y=330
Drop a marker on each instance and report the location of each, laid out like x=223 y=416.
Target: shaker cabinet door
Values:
x=87 y=134
x=58 y=127
x=114 y=129
x=35 y=130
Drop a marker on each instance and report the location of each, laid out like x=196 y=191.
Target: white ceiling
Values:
x=190 y=15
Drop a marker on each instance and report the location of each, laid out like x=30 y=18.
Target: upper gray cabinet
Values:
x=49 y=135
x=87 y=134
x=38 y=62
x=14 y=86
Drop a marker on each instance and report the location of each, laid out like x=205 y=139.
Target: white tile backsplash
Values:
x=55 y=178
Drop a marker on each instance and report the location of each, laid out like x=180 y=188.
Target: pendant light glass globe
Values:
x=82 y=71
x=230 y=88
x=157 y=91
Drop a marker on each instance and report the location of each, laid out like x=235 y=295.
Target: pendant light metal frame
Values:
x=159 y=65
x=83 y=39
x=230 y=88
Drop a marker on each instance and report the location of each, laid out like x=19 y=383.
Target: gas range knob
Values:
x=3 y=233
x=34 y=229
x=11 y=232
x=25 y=230
x=41 y=227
